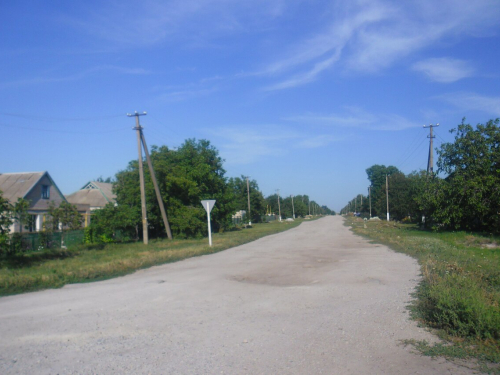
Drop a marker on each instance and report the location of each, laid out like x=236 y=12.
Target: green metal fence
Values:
x=29 y=242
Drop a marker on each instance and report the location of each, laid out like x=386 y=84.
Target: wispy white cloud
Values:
x=367 y=36
x=148 y=22
x=303 y=78
x=473 y=102
x=244 y=146
x=354 y=117
x=248 y=144
x=444 y=69
x=318 y=141
x=203 y=87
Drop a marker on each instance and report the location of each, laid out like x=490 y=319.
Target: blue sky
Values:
x=303 y=96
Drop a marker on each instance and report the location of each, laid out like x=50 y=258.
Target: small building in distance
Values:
x=95 y=194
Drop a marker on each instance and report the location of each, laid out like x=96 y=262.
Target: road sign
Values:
x=208 y=205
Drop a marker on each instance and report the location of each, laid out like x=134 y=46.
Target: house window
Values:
x=32 y=223
x=45 y=191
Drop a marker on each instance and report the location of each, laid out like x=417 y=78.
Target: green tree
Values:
x=185 y=176
x=471 y=193
x=257 y=202
x=110 y=221
x=20 y=213
x=66 y=215
x=6 y=218
x=301 y=204
x=376 y=175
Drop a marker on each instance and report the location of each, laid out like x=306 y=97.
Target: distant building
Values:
x=95 y=194
x=39 y=189
x=239 y=215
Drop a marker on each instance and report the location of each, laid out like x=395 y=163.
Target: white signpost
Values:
x=208 y=205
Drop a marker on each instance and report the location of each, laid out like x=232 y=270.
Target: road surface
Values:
x=312 y=300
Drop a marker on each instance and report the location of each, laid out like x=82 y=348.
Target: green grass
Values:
x=459 y=295
x=54 y=269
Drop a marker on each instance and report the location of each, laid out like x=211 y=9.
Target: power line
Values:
x=412 y=153
x=412 y=144
x=62 y=131
x=442 y=140
x=59 y=119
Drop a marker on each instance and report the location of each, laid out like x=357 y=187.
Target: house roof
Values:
x=96 y=194
x=18 y=185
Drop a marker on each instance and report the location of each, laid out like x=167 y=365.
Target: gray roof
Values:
x=96 y=194
x=18 y=185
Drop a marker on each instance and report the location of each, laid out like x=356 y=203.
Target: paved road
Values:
x=312 y=300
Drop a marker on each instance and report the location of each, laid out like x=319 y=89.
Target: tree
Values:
x=108 y=221
x=376 y=175
x=272 y=204
x=471 y=193
x=257 y=202
x=108 y=180
x=66 y=214
x=185 y=176
x=5 y=215
x=301 y=204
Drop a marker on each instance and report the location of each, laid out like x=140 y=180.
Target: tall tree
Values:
x=257 y=202
x=377 y=175
x=472 y=189
x=185 y=176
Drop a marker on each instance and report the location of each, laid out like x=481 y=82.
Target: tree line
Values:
x=186 y=175
x=463 y=194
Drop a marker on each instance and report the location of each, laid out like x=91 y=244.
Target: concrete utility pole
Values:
x=293 y=208
x=279 y=207
x=145 y=235
x=157 y=190
x=141 y=142
x=387 y=194
x=370 y=199
x=430 y=159
x=248 y=194
x=309 y=208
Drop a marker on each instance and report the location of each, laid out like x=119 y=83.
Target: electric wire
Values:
x=410 y=154
x=59 y=119
x=410 y=150
x=62 y=131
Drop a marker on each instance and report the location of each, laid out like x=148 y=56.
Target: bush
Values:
x=459 y=305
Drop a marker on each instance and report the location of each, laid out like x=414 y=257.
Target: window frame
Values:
x=45 y=191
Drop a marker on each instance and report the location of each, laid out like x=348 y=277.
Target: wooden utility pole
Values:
x=248 y=195
x=430 y=159
x=141 y=142
x=293 y=208
x=387 y=194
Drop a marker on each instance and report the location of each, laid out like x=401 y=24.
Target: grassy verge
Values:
x=53 y=269
x=460 y=292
